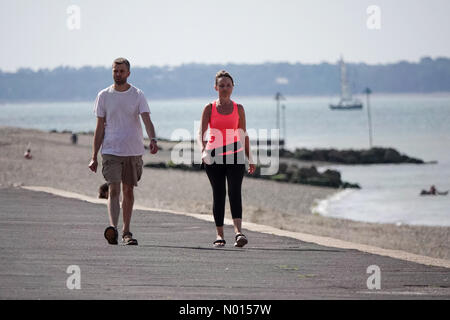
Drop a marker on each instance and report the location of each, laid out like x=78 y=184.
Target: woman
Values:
x=223 y=155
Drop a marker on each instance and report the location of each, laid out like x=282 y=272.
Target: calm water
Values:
x=417 y=125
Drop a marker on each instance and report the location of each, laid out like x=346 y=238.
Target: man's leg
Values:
x=114 y=204
x=127 y=205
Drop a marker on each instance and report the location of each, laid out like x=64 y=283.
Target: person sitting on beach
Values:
x=119 y=134
x=74 y=138
x=223 y=156
x=27 y=154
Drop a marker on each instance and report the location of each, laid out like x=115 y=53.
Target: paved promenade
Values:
x=43 y=234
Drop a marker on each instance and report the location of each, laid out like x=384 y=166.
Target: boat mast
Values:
x=345 y=93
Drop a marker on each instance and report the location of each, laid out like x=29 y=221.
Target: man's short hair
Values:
x=122 y=61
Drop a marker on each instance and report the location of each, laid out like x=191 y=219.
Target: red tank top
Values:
x=223 y=130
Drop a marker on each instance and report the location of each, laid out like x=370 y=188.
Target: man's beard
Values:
x=120 y=82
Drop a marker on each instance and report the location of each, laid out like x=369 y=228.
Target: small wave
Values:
x=321 y=206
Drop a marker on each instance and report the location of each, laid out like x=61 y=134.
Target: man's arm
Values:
x=99 y=134
x=150 y=131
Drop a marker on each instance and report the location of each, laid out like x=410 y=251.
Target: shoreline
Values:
x=380 y=95
x=56 y=162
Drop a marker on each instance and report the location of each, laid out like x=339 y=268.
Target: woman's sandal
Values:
x=241 y=240
x=127 y=239
x=219 y=243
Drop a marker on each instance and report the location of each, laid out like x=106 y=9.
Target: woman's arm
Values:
x=244 y=137
x=204 y=121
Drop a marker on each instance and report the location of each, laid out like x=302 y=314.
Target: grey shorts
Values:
x=127 y=170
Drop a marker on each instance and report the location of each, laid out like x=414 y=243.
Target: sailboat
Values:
x=346 y=102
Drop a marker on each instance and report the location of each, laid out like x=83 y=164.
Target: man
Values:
x=119 y=134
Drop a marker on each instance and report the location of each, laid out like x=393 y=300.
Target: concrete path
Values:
x=42 y=235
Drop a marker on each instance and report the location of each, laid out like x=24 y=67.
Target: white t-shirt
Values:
x=123 y=130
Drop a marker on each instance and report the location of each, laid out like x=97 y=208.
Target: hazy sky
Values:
x=35 y=33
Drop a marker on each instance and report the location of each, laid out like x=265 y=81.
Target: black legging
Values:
x=234 y=174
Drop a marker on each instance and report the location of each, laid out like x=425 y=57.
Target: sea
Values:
x=417 y=125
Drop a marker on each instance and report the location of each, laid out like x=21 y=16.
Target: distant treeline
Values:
x=196 y=80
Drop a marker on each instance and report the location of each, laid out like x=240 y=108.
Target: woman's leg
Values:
x=235 y=175
x=216 y=176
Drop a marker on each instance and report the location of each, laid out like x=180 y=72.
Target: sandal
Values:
x=111 y=235
x=219 y=243
x=241 y=240
x=127 y=239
